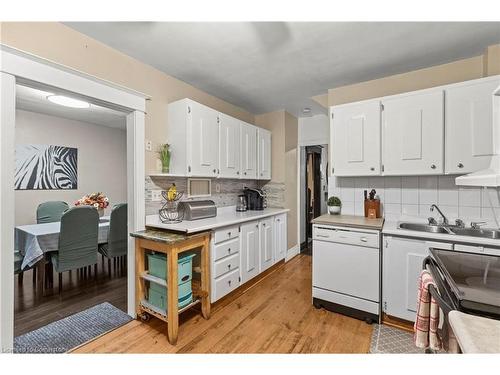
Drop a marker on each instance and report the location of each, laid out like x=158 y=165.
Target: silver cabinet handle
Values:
x=229 y=282
x=363 y=239
x=372 y=169
x=229 y=234
x=460 y=165
x=229 y=266
x=322 y=236
x=237 y=172
x=229 y=250
x=433 y=166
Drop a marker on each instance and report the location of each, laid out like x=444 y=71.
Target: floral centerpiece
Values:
x=98 y=200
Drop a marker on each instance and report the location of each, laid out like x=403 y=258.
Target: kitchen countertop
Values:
x=226 y=216
x=391 y=228
x=350 y=221
x=475 y=334
x=162 y=236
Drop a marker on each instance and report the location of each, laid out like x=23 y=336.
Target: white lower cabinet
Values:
x=266 y=244
x=402 y=264
x=239 y=253
x=250 y=244
x=280 y=240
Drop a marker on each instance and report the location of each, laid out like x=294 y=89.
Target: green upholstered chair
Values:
x=118 y=235
x=49 y=212
x=77 y=240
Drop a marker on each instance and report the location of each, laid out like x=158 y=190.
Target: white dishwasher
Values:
x=346 y=271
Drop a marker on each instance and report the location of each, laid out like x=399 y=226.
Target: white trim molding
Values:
x=292 y=252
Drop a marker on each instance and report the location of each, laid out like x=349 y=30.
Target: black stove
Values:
x=468 y=282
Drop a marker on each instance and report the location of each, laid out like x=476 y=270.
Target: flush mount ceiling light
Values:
x=306 y=110
x=67 y=101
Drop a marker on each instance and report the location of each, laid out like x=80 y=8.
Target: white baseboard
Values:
x=292 y=252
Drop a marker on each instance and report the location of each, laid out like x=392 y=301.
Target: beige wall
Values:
x=61 y=44
x=102 y=160
x=284 y=128
x=457 y=71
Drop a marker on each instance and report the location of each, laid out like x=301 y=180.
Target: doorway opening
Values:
x=314 y=190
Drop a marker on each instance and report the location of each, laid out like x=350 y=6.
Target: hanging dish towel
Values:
x=427 y=321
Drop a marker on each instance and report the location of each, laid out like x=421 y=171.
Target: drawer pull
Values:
x=323 y=235
x=229 y=234
x=229 y=250
x=229 y=266
x=185 y=278
x=363 y=239
x=229 y=282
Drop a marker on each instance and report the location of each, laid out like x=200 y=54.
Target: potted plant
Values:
x=334 y=204
x=164 y=153
x=97 y=200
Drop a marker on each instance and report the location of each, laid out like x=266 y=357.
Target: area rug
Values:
x=74 y=330
x=389 y=340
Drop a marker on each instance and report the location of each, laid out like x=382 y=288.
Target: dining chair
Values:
x=51 y=211
x=18 y=260
x=78 y=240
x=116 y=247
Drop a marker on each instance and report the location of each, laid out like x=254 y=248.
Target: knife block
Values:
x=372 y=208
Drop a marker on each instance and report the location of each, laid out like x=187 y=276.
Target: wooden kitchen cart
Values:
x=171 y=244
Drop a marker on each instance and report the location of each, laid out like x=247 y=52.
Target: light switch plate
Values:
x=149 y=145
x=155 y=195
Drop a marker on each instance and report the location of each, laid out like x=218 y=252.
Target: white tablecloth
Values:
x=34 y=240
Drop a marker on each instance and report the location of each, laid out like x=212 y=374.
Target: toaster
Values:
x=195 y=210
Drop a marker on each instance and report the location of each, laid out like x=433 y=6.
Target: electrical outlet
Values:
x=217 y=187
x=149 y=145
x=155 y=195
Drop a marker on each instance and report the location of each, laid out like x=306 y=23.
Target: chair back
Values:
x=49 y=212
x=118 y=231
x=78 y=238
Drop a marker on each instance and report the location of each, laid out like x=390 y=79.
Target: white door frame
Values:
x=18 y=66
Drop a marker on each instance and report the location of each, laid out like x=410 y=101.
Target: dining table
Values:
x=33 y=241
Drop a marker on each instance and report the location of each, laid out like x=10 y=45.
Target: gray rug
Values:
x=389 y=340
x=74 y=330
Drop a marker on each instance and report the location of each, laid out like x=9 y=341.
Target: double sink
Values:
x=451 y=229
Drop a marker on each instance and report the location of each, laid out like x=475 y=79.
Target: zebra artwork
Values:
x=46 y=167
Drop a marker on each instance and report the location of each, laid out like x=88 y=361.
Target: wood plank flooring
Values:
x=274 y=316
x=32 y=312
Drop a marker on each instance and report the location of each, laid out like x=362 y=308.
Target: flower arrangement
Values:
x=97 y=200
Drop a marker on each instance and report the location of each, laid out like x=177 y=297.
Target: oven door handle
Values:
x=445 y=306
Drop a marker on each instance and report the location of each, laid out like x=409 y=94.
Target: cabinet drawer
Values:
x=323 y=233
x=226 y=265
x=225 y=234
x=226 y=248
x=226 y=284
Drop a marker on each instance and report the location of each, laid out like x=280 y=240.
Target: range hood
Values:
x=489 y=177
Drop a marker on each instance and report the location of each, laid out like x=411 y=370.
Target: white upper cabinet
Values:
x=263 y=154
x=248 y=151
x=355 y=136
x=203 y=140
x=229 y=150
x=413 y=134
x=469 y=125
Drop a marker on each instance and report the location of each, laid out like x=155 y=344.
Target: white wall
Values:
x=314 y=130
x=413 y=196
x=102 y=160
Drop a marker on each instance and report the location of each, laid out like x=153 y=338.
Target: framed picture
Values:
x=46 y=167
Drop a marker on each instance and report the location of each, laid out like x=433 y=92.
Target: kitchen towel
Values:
x=427 y=321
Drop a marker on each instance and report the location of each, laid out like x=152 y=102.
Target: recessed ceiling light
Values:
x=306 y=110
x=67 y=101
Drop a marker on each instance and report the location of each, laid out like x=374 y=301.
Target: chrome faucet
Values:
x=445 y=219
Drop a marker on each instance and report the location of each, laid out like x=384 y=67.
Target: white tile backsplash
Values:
x=413 y=196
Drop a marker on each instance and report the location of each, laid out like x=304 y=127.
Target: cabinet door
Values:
x=280 y=237
x=249 y=250
x=203 y=141
x=403 y=258
x=413 y=128
x=266 y=244
x=469 y=126
x=229 y=151
x=355 y=136
x=248 y=149
x=264 y=154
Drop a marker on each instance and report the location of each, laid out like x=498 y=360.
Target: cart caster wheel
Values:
x=317 y=305
x=369 y=321
x=145 y=317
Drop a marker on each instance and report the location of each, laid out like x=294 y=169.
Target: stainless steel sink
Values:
x=483 y=233
x=423 y=228
x=453 y=230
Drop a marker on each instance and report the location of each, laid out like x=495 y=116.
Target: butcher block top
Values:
x=350 y=221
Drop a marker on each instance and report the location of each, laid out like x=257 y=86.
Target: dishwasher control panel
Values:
x=348 y=236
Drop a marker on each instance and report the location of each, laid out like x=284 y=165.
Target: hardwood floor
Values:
x=32 y=312
x=274 y=316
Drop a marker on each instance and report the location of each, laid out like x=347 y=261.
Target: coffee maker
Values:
x=255 y=199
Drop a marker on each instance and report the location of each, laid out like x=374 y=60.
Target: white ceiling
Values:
x=35 y=100
x=263 y=67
